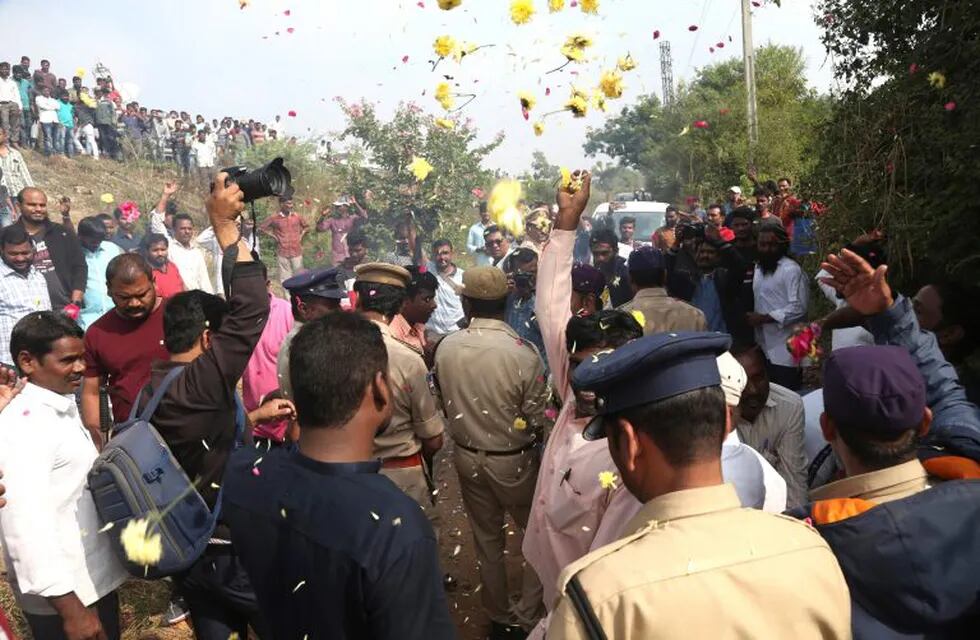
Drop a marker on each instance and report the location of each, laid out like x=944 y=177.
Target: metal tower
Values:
x=667 y=74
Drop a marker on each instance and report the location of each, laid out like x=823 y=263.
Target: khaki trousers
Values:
x=493 y=486
x=289 y=267
x=411 y=480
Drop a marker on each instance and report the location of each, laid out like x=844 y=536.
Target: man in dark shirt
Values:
x=606 y=258
x=333 y=548
x=213 y=340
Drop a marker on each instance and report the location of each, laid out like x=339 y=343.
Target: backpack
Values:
x=136 y=475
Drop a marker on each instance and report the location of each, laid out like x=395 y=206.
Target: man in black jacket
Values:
x=58 y=255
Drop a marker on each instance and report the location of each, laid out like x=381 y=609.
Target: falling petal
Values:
x=106 y=528
x=299 y=585
x=693 y=27
x=396 y=522
x=375 y=516
x=457 y=550
x=291 y=113
x=656 y=34
x=950 y=106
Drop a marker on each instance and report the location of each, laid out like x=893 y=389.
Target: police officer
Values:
x=414 y=433
x=692 y=563
x=312 y=294
x=494 y=391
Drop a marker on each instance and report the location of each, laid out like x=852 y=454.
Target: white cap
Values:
x=733 y=378
x=736 y=189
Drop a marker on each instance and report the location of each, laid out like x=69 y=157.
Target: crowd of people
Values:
x=55 y=115
x=633 y=406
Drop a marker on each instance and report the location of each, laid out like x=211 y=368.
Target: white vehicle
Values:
x=649 y=216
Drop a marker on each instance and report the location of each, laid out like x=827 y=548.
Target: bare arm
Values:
x=91 y=417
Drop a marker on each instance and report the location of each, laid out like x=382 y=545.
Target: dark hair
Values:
x=627 y=220
x=37 y=332
x=646 y=278
x=104 y=217
x=687 y=428
x=13 y=235
x=170 y=208
x=760 y=191
x=522 y=256
x=325 y=394
x=186 y=317
x=875 y=253
x=483 y=207
x=775 y=227
x=420 y=281
x=20 y=194
x=307 y=298
x=440 y=243
x=746 y=213
x=604 y=236
x=182 y=216
x=385 y=299
x=608 y=328
x=92 y=227
x=486 y=308
x=356 y=238
x=877 y=450
x=670 y=208
x=714 y=205
x=492 y=229
x=127 y=267
x=786 y=179
x=151 y=239
x=959 y=307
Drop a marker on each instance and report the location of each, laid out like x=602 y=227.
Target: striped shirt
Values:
x=19 y=295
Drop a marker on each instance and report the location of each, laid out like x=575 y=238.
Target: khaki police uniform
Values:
x=664 y=313
x=695 y=564
x=494 y=393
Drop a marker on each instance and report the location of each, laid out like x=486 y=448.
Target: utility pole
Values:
x=748 y=57
x=667 y=74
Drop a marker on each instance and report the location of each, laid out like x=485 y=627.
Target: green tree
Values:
x=900 y=150
x=680 y=158
x=379 y=161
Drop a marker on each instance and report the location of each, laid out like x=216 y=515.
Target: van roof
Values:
x=635 y=206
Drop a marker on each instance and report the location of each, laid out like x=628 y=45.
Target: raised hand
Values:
x=864 y=288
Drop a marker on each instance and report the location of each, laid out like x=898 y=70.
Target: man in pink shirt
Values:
x=261 y=375
x=339 y=225
x=420 y=301
x=287 y=228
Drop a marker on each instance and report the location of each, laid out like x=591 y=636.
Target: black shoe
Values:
x=500 y=631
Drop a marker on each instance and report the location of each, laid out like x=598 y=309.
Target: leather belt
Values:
x=405 y=462
x=509 y=452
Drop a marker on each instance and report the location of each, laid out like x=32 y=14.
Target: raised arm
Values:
x=157 y=215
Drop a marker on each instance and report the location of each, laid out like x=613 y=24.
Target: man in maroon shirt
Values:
x=287 y=228
x=166 y=275
x=120 y=345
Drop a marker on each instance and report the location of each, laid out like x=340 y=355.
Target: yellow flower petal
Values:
x=446 y=5
x=444 y=46
x=463 y=49
x=599 y=100
x=639 y=317
x=503 y=206
x=445 y=123
x=521 y=11
x=611 y=84
x=589 y=6
x=556 y=5
x=520 y=424
x=538 y=128
x=578 y=103
x=575 y=46
x=140 y=548
x=444 y=96
x=420 y=168
x=107 y=198
x=607 y=479
x=527 y=100
x=937 y=80
x=568 y=182
x=626 y=63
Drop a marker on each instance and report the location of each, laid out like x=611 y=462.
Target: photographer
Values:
x=682 y=260
x=213 y=340
x=522 y=282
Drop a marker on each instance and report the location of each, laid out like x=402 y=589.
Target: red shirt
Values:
x=288 y=232
x=168 y=283
x=120 y=350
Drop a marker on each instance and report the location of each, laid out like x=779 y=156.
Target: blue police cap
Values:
x=647 y=259
x=648 y=369
x=325 y=283
x=876 y=389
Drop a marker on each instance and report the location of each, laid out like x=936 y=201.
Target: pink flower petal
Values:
x=290 y=30
x=404 y=59
x=693 y=27
x=286 y=12
x=291 y=114
x=256 y=472
x=547 y=91
x=950 y=106
x=720 y=45
x=913 y=69
x=656 y=34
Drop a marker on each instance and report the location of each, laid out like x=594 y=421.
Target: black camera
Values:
x=524 y=280
x=271 y=180
x=691 y=231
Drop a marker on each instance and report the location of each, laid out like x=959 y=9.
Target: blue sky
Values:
x=209 y=56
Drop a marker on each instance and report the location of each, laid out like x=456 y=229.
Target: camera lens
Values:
x=273 y=179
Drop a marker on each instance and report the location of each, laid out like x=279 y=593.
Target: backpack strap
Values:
x=157 y=396
x=579 y=600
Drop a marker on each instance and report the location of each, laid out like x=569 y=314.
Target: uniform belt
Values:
x=509 y=452
x=404 y=462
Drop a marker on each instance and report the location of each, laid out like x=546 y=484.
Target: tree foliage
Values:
x=900 y=150
x=680 y=158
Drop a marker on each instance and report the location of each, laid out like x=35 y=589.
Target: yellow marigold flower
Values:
x=446 y=5
x=141 y=548
x=444 y=95
x=639 y=317
x=521 y=11
x=611 y=84
x=444 y=46
x=464 y=49
x=106 y=198
x=527 y=100
x=420 y=168
x=538 y=128
x=445 y=123
x=607 y=479
x=937 y=80
x=578 y=103
x=520 y=424
x=575 y=46
x=503 y=208
x=626 y=63
x=556 y=5
x=568 y=182
x=599 y=101
x=589 y=6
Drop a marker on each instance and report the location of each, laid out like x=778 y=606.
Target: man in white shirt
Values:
x=781 y=292
x=209 y=242
x=183 y=251
x=474 y=239
x=63 y=569
x=9 y=104
x=23 y=288
x=449 y=308
x=47 y=115
x=205 y=154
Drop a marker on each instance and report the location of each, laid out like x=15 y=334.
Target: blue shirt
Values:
x=25 y=86
x=520 y=317
x=66 y=115
x=706 y=299
x=334 y=550
x=97 y=301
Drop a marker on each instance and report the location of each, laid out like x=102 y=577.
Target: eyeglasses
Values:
x=495 y=242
